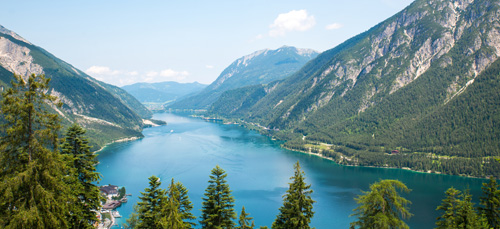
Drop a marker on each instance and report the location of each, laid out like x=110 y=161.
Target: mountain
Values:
x=107 y=112
x=163 y=92
x=419 y=91
x=260 y=67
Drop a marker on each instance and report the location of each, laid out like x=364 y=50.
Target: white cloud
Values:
x=209 y=66
x=151 y=74
x=101 y=70
x=334 y=26
x=120 y=78
x=295 y=20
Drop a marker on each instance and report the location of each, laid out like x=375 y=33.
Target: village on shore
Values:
x=115 y=196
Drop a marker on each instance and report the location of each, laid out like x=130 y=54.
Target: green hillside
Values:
x=107 y=112
x=260 y=67
x=415 y=83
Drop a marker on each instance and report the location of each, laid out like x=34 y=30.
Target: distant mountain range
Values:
x=423 y=85
x=163 y=92
x=260 y=67
x=107 y=112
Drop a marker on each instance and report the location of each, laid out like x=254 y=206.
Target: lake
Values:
x=187 y=149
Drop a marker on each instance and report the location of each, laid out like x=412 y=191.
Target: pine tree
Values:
x=459 y=212
x=244 y=222
x=296 y=211
x=33 y=194
x=382 y=206
x=151 y=204
x=82 y=163
x=178 y=192
x=174 y=208
x=170 y=215
x=467 y=216
x=218 y=202
x=490 y=202
x=450 y=206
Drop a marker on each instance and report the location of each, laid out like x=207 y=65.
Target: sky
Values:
x=125 y=42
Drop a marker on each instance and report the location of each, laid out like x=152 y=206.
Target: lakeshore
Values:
x=114 y=196
x=258 y=171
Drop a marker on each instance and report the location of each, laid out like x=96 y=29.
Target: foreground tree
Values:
x=151 y=204
x=490 y=202
x=244 y=220
x=176 y=210
x=296 y=211
x=459 y=212
x=382 y=206
x=82 y=174
x=178 y=196
x=450 y=206
x=33 y=194
x=218 y=202
x=467 y=216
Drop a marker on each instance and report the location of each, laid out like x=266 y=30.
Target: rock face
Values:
x=386 y=80
x=107 y=112
x=17 y=59
x=260 y=67
x=388 y=57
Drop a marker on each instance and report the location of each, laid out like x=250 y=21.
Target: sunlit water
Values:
x=258 y=172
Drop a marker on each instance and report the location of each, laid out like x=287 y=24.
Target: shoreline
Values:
x=260 y=129
x=118 y=140
x=378 y=167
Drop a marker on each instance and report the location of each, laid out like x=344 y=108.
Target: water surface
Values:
x=258 y=172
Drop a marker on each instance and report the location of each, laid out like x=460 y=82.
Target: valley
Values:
x=404 y=113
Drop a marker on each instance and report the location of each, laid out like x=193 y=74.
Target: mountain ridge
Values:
x=259 y=67
x=162 y=92
x=107 y=112
x=363 y=96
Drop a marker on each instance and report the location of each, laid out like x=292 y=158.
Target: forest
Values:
x=49 y=182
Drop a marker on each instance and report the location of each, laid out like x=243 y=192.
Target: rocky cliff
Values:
x=107 y=112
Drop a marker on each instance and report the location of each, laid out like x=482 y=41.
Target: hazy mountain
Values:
x=260 y=67
x=107 y=112
x=163 y=92
x=423 y=82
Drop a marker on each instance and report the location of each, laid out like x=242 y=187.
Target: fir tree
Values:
x=171 y=214
x=296 y=211
x=83 y=171
x=459 y=212
x=151 y=204
x=490 y=202
x=244 y=221
x=382 y=206
x=218 y=202
x=33 y=194
x=450 y=207
x=179 y=193
x=467 y=216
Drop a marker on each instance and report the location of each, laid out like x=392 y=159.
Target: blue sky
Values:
x=124 y=42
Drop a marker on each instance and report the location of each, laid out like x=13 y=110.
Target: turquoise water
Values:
x=258 y=172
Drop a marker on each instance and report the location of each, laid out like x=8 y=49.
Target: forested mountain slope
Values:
x=260 y=67
x=107 y=112
x=423 y=82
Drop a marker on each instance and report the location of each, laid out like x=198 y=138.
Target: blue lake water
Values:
x=258 y=172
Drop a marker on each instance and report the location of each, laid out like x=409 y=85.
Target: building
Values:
x=109 y=190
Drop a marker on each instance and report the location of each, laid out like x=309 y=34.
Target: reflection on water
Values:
x=258 y=172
